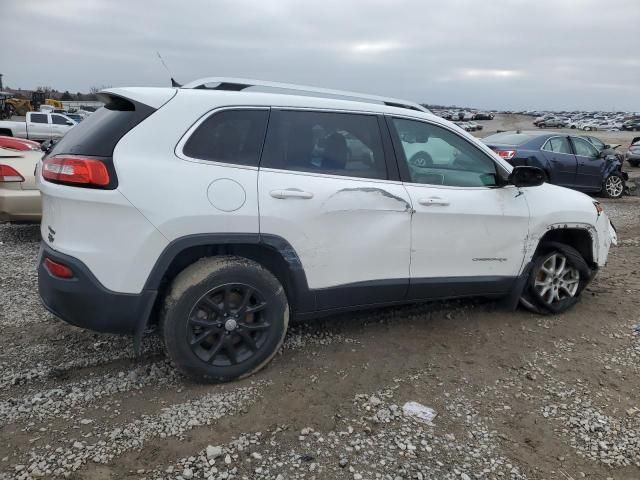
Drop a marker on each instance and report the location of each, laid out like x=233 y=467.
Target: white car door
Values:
x=60 y=125
x=467 y=233
x=325 y=188
x=38 y=126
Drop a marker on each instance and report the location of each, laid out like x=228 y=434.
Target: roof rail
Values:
x=239 y=84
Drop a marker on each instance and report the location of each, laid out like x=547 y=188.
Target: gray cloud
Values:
x=498 y=53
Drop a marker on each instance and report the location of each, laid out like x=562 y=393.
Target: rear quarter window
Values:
x=98 y=134
x=229 y=136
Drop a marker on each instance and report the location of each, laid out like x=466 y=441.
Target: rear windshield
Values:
x=509 y=138
x=98 y=134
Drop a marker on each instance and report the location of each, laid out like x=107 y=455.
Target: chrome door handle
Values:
x=291 y=193
x=427 y=202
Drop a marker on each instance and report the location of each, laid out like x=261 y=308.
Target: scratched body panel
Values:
x=553 y=206
x=351 y=230
x=476 y=232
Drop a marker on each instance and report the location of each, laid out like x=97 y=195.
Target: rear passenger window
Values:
x=39 y=118
x=229 y=136
x=325 y=142
x=558 y=145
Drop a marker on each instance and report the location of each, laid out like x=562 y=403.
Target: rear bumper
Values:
x=20 y=205
x=84 y=302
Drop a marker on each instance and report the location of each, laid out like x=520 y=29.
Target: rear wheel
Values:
x=558 y=275
x=224 y=318
x=613 y=186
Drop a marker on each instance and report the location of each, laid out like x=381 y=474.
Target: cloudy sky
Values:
x=561 y=54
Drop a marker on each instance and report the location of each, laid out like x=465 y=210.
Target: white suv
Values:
x=220 y=211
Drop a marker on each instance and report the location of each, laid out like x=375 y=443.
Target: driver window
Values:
x=437 y=156
x=584 y=148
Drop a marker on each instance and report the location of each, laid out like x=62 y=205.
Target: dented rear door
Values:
x=322 y=188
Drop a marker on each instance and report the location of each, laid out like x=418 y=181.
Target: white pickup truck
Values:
x=38 y=126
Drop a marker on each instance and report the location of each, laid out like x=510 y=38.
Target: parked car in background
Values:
x=19 y=195
x=633 y=154
x=567 y=160
x=38 y=126
x=633 y=124
x=483 y=116
x=474 y=126
x=552 y=123
x=606 y=126
x=21 y=144
x=542 y=118
x=588 y=125
x=464 y=125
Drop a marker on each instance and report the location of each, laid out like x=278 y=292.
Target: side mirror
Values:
x=70 y=123
x=527 y=177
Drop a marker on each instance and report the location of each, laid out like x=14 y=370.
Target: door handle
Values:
x=427 y=202
x=291 y=193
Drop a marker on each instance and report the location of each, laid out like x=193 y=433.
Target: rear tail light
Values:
x=76 y=170
x=9 y=174
x=57 y=269
x=506 y=154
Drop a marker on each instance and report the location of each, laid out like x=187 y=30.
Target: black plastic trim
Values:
x=84 y=302
x=389 y=155
x=305 y=299
x=440 y=288
x=362 y=293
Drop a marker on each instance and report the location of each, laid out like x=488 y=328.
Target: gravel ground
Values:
x=517 y=396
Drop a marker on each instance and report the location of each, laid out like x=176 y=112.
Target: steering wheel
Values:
x=421 y=159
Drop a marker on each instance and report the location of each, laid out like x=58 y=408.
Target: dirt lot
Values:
x=517 y=395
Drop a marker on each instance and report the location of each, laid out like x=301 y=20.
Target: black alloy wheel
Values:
x=228 y=325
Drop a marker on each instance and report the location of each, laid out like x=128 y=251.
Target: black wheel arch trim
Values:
x=304 y=297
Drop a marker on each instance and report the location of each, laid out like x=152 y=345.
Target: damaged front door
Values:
x=468 y=230
x=323 y=186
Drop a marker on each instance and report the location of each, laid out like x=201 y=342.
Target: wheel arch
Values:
x=272 y=252
x=579 y=238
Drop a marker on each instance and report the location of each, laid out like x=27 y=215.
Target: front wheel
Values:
x=558 y=275
x=613 y=186
x=224 y=318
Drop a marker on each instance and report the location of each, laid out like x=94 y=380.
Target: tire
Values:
x=224 y=318
x=613 y=186
x=564 y=284
x=634 y=163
